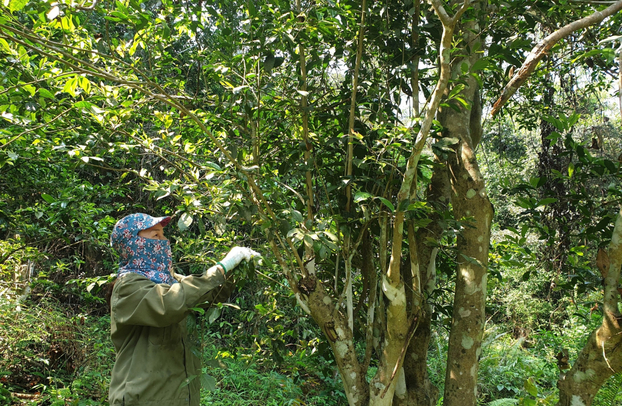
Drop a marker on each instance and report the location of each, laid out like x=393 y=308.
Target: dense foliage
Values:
x=291 y=128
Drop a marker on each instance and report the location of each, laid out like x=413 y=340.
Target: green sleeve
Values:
x=137 y=300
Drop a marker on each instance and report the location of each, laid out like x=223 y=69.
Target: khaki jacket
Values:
x=154 y=358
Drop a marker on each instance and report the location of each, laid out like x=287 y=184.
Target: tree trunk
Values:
x=580 y=385
x=471 y=207
x=334 y=324
x=421 y=391
x=602 y=355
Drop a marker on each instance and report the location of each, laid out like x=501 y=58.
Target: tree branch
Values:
x=355 y=80
x=149 y=88
x=18 y=136
x=408 y=179
x=542 y=49
x=440 y=12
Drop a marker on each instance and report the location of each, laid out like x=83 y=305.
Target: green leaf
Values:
x=416 y=206
x=361 y=196
x=213 y=314
x=456 y=90
x=611 y=167
x=480 y=64
x=5 y=46
x=531 y=388
x=198 y=310
x=464 y=67
x=526 y=203
x=537 y=182
x=546 y=201
x=70 y=86
x=47 y=198
x=83 y=105
x=213 y=165
x=208 y=382
x=45 y=93
x=85 y=84
x=552 y=120
x=387 y=203
x=17 y=5
x=297 y=216
x=570 y=169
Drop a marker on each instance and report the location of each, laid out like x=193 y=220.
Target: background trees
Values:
x=343 y=137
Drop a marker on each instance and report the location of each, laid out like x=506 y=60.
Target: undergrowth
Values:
x=50 y=357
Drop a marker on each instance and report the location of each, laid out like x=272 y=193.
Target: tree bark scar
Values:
x=307 y=285
x=329 y=330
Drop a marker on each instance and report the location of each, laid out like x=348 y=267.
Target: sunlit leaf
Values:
x=17 y=5
x=361 y=196
x=185 y=220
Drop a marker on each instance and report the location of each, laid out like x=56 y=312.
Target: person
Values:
x=155 y=364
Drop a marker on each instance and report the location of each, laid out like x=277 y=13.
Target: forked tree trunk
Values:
x=334 y=324
x=602 y=355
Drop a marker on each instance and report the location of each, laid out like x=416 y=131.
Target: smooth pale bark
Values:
x=334 y=324
x=602 y=355
x=382 y=385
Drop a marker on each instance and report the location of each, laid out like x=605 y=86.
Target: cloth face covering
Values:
x=144 y=256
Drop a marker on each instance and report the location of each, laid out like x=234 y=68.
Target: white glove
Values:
x=237 y=255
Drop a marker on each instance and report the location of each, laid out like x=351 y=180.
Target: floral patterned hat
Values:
x=149 y=258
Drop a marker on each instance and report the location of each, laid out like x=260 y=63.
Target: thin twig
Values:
x=18 y=136
x=606 y=360
x=8 y=89
x=413 y=328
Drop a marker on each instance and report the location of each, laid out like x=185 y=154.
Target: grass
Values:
x=243 y=385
